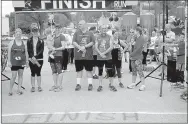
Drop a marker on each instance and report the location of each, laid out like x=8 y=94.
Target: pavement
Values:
x=84 y=106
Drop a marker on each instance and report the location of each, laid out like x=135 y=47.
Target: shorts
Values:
x=81 y=64
x=108 y=64
x=16 y=68
x=117 y=63
x=94 y=60
x=56 y=67
x=152 y=52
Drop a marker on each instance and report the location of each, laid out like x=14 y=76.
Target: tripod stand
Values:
x=162 y=64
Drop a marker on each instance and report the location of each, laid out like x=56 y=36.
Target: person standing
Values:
x=71 y=48
x=83 y=41
x=66 y=51
x=130 y=42
x=35 y=48
x=56 y=63
x=136 y=60
x=117 y=55
x=146 y=45
x=17 y=60
x=104 y=46
x=123 y=37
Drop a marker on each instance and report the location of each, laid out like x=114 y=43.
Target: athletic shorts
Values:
x=81 y=64
x=56 y=67
x=16 y=68
x=117 y=63
x=94 y=60
x=152 y=52
x=108 y=64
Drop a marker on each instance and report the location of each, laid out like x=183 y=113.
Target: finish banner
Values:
x=74 y=5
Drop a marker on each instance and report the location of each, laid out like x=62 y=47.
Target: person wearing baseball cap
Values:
x=35 y=47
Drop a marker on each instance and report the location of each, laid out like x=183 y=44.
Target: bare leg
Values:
x=12 y=80
x=20 y=78
x=39 y=81
x=33 y=81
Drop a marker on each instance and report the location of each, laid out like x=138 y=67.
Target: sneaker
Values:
x=110 y=85
x=78 y=87
x=90 y=87
x=142 y=88
x=121 y=85
x=95 y=77
x=113 y=89
x=131 y=86
x=32 y=89
x=99 y=89
x=39 y=89
x=57 y=89
x=52 y=88
x=61 y=88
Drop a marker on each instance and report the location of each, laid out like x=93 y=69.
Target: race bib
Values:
x=18 y=58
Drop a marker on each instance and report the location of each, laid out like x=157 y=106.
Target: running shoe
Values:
x=52 y=88
x=78 y=87
x=32 y=89
x=90 y=87
x=142 y=88
x=112 y=88
x=121 y=85
x=131 y=86
x=39 y=89
x=99 y=89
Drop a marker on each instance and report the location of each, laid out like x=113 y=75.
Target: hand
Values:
x=103 y=55
x=27 y=64
x=9 y=64
x=82 y=48
x=32 y=61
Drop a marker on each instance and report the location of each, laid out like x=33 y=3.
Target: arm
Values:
x=9 y=51
x=75 y=44
x=27 y=56
x=41 y=49
x=91 y=43
x=124 y=45
x=109 y=49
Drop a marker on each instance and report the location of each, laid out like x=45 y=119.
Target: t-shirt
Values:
x=138 y=48
x=103 y=45
x=83 y=39
x=152 y=44
x=57 y=44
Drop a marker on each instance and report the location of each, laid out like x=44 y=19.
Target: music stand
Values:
x=162 y=63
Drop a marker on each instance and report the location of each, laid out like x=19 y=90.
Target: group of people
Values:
x=93 y=49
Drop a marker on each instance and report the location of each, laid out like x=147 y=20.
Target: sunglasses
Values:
x=131 y=32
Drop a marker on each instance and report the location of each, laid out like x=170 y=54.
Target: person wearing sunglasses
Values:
x=17 y=60
x=35 y=47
